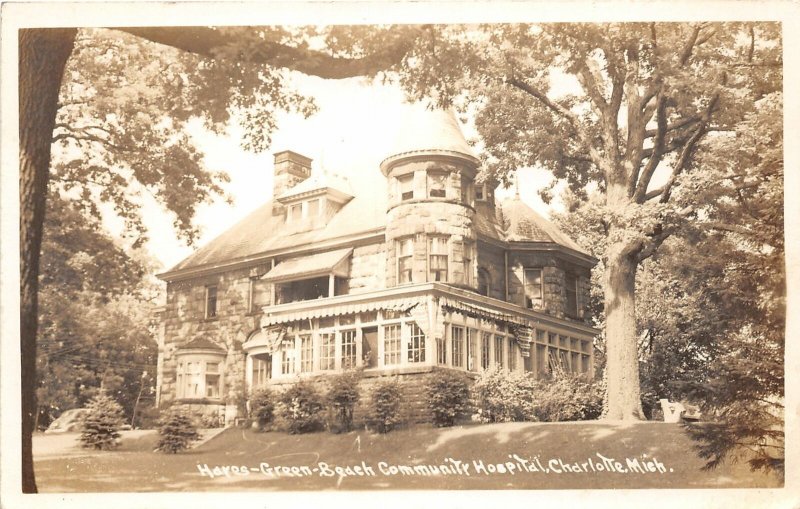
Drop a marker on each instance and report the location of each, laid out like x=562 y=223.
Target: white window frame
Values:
x=198 y=376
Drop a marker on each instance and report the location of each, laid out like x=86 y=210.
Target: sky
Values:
x=353 y=129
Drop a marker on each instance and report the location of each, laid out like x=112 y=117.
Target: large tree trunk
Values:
x=42 y=56
x=622 y=362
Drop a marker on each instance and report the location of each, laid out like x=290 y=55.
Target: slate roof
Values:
x=438 y=132
x=522 y=223
x=201 y=343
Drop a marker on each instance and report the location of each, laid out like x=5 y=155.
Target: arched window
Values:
x=200 y=370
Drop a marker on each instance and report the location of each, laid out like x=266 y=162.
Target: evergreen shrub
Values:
x=102 y=423
x=343 y=394
x=177 y=431
x=262 y=407
x=385 y=405
x=301 y=407
x=447 y=397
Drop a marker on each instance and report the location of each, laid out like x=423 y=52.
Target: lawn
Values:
x=496 y=456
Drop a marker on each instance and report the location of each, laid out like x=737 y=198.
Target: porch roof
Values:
x=306 y=267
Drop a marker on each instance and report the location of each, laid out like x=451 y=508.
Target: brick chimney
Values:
x=291 y=168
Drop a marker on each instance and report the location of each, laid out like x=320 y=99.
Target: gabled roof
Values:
x=319 y=182
x=523 y=224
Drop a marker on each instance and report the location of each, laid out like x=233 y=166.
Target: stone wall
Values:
x=184 y=321
x=491 y=259
x=553 y=269
x=367 y=268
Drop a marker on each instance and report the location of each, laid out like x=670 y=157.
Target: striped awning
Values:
x=401 y=305
x=518 y=327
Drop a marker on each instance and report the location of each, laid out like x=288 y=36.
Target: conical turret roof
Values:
x=433 y=132
x=523 y=224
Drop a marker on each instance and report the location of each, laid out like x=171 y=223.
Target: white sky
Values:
x=352 y=129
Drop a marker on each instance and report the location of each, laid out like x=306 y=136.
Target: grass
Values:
x=134 y=467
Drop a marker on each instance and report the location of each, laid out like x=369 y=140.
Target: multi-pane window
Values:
x=533 y=288
x=472 y=350
x=327 y=351
x=499 y=342
x=211 y=301
x=571 y=286
x=416 y=345
x=441 y=351
x=306 y=353
x=406 y=187
x=437 y=258
x=436 y=184
x=457 y=345
x=486 y=340
x=261 y=374
x=192 y=380
x=512 y=354
x=405 y=257
x=479 y=193
x=287 y=361
x=349 y=355
x=212 y=379
x=391 y=344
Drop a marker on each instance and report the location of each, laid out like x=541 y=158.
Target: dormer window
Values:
x=436 y=184
x=313 y=207
x=295 y=213
x=406 y=187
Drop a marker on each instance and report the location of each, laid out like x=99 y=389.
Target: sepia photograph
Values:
x=296 y=254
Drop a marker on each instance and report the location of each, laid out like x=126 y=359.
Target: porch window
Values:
x=261 y=370
x=287 y=361
x=405 y=256
x=349 y=355
x=327 y=352
x=534 y=291
x=211 y=301
x=512 y=354
x=499 y=342
x=306 y=353
x=416 y=347
x=457 y=347
x=437 y=262
x=391 y=344
x=441 y=351
x=486 y=340
x=436 y=184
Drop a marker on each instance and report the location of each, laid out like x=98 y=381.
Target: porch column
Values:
x=331 y=285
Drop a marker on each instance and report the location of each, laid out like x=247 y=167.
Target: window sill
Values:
x=209 y=320
x=200 y=401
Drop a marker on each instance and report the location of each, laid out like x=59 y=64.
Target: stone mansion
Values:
x=401 y=269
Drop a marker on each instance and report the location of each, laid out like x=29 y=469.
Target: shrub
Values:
x=343 y=395
x=262 y=407
x=568 y=397
x=447 y=396
x=384 y=406
x=177 y=431
x=102 y=423
x=302 y=407
x=500 y=396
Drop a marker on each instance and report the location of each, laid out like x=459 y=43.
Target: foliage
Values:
x=501 y=396
x=385 y=405
x=301 y=407
x=102 y=423
x=343 y=394
x=262 y=407
x=177 y=431
x=568 y=397
x=629 y=112
x=447 y=396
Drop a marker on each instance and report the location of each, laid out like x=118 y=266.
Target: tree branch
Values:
x=207 y=42
x=656 y=153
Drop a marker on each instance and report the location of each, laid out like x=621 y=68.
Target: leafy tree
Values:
x=247 y=59
x=102 y=423
x=177 y=431
x=625 y=110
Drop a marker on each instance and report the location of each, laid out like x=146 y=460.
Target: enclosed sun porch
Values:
x=409 y=329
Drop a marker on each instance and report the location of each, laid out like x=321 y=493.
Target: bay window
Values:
x=199 y=376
